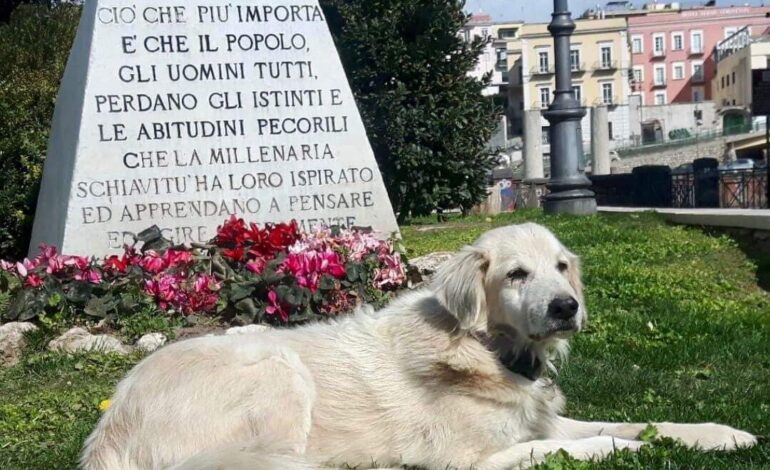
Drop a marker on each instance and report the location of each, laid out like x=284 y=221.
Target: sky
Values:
x=540 y=10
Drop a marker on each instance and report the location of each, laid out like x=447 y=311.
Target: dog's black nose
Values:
x=563 y=308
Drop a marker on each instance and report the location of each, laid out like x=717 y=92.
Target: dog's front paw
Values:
x=708 y=436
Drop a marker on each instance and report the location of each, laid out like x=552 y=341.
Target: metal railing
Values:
x=729 y=189
x=631 y=147
x=538 y=70
x=606 y=65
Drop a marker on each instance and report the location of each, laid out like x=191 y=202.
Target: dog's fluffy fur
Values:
x=419 y=382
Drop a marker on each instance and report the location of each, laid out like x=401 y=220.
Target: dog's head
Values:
x=518 y=279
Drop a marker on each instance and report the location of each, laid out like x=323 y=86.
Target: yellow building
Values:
x=736 y=57
x=599 y=57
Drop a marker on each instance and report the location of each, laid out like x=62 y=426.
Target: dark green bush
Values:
x=34 y=46
x=427 y=120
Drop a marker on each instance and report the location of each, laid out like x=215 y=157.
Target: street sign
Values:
x=760 y=92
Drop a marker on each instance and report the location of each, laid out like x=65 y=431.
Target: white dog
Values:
x=445 y=377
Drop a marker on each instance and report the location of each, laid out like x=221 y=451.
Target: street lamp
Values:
x=568 y=186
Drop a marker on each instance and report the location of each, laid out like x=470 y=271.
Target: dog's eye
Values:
x=562 y=266
x=518 y=274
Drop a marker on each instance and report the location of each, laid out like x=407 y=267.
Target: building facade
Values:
x=494 y=58
x=736 y=58
x=672 y=48
x=599 y=60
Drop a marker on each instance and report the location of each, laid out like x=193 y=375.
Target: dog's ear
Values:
x=459 y=286
x=574 y=276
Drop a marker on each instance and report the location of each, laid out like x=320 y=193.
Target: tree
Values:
x=427 y=120
x=34 y=46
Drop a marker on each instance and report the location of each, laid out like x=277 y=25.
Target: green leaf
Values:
x=28 y=304
x=326 y=283
x=649 y=433
x=99 y=306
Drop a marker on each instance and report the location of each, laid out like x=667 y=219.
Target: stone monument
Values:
x=182 y=114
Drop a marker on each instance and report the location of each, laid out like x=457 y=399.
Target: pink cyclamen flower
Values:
x=93 y=276
x=391 y=274
x=21 y=268
x=7 y=266
x=33 y=280
x=275 y=307
x=257 y=265
x=173 y=258
x=152 y=262
x=165 y=289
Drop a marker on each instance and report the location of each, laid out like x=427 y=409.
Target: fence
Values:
x=656 y=186
x=629 y=148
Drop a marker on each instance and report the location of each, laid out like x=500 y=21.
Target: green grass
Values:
x=679 y=330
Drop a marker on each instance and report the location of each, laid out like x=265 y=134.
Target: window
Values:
x=507 y=33
x=660 y=98
x=728 y=79
x=577 y=92
x=658 y=44
x=660 y=75
x=574 y=59
x=697 y=94
x=544 y=133
x=607 y=97
x=678 y=71
x=638 y=74
x=502 y=57
x=484 y=32
x=606 y=54
x=723 y=81
x=730 y=31
x=697 y=71
x=733 y=77
x=543 y=61
x=545 y=96
x=696 y=42
x=677 y=41
x=609 y=128
x=637 y=44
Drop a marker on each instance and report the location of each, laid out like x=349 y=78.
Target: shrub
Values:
x=247 y=274
x=427 y=120
x=34 y=46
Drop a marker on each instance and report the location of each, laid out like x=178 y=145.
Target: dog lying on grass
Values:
x=449 y=376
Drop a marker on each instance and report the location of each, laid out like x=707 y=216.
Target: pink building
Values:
x=672 y=50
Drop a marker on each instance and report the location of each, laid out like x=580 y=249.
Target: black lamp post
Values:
x=568 y=186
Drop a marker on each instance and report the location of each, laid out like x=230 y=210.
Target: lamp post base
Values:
x=574 y=202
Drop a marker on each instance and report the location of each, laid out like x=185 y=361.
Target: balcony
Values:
x=659 y=54
x=698 y=78
x=612 y=101
x=696 y=51
x=659 y=83
x=539 y=70
x=578 y=68
x=606 y=66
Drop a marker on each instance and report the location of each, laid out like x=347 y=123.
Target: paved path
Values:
x=758 y=219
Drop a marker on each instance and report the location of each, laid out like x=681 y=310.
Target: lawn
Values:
x=678 y=330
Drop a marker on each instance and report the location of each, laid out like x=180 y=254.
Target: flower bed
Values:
x=246 y=274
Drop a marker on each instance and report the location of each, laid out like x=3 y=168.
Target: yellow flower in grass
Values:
x=104 y=405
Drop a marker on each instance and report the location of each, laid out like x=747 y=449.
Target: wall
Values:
x=680 y=116
x=672 y=157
